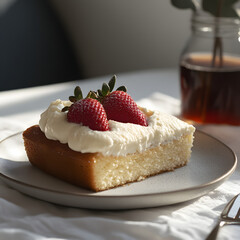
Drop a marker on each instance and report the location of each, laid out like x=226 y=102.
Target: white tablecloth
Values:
x=23 y=217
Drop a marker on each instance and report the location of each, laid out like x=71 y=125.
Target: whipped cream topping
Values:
x=122 y=139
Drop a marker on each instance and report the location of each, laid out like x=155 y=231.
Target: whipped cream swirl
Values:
x=122 y=139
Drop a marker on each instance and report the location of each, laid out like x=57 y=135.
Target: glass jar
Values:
x=210 y=71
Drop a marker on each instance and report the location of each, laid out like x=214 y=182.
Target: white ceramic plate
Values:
x=211 y=164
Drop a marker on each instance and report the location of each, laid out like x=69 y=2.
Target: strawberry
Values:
x=88 y=111
x=120 y=107
x=98 y=107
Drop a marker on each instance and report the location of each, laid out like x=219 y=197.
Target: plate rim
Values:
x=92 y=194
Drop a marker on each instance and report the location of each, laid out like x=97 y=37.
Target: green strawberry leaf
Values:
x=122 y=88
x=65 y=109
x=105 y=89
x=100 y=93
x=72 y=99
x=112 y=82
x=92 y=94
x=78 y=93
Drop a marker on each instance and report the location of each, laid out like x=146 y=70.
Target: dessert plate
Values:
x=211 y=164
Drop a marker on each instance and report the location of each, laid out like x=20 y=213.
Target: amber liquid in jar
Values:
x=210 y=94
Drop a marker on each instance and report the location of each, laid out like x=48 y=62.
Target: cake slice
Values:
x=125 y=150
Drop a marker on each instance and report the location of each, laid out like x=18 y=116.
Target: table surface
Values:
x=191 y=220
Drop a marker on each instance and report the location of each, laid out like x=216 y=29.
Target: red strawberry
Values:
x=120 y=107
x=95 y=110
x=89 y=112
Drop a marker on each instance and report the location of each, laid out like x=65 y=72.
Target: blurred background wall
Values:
x=124 y=35
x=46 y=41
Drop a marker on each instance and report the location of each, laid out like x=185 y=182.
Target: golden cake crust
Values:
x=58 y=159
